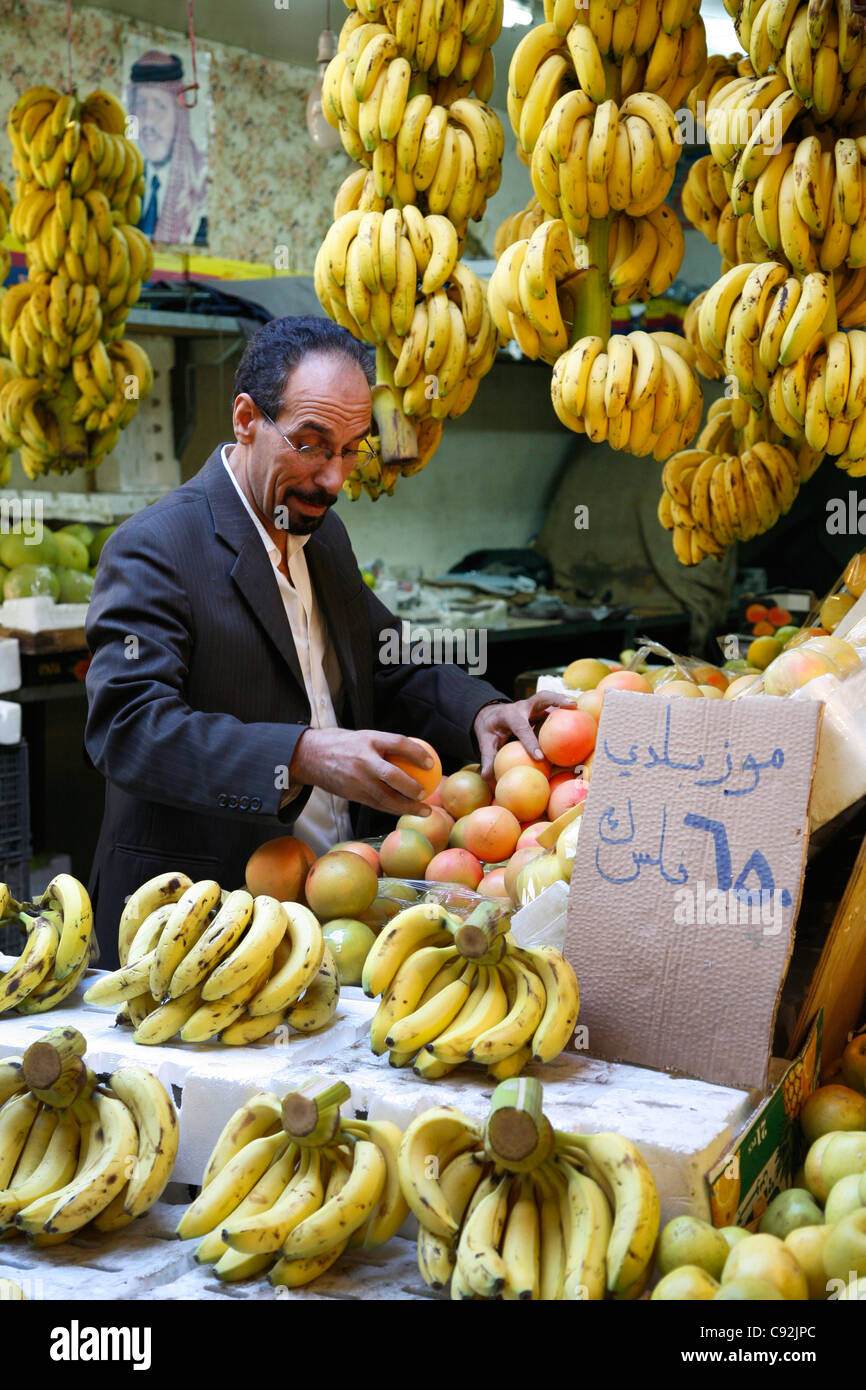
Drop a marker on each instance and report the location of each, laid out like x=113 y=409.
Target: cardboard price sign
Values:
x=687 y=880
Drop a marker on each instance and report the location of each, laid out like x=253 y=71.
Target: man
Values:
x=174 y=203
x=237 y=689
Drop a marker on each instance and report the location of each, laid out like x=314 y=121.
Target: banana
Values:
x=165 y=888
x=521 y=1245
x=625 y=1174
x=478 y=1259
x=316 y=1006
x=524 y=1015
x=256 y=947
x=404 y=934
x=231 y=1184
x=267 y=1231
x=187 y=922
x=716 y=309
x=307 y=947
x=438 y=1131
x=647 y=371
x=71 y=899
x=164 y=1021
x=562 y=1000
x=345 y=1211
x=113 y=1141
x=158 y=1135
x=55 y=1169
x=574 y=368
x=807 y=317
x=258 y=1117
x=587 y=61
x=32 y=966
x=17 y=1118
x=428 y=1020
x=587 y=1226
x=12 y=1081
x=404 y=993
x=484 y=1009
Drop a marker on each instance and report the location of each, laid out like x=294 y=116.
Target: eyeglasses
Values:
x=317 y=456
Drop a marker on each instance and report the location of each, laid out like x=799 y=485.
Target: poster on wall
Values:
x=169 y=122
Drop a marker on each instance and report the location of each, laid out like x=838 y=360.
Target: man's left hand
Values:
x=496 y=724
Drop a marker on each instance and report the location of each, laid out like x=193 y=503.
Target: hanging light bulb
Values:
x=324 y=136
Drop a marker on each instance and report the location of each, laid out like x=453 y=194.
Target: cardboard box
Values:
x=683 y=902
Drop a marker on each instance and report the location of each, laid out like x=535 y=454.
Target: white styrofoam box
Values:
x=10 y=664
x=10 y=722
x=681 y=1126
x=143 y=457
x=41 y=614
x=543 y=921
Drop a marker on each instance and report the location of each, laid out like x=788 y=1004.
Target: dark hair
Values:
x=281 y=345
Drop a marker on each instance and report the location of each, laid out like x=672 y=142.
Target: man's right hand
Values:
x=352 y=763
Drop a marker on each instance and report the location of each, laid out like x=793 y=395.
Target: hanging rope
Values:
x=69 y=46
x=191 y=86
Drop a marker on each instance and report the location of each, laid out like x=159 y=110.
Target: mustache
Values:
x=318 y=498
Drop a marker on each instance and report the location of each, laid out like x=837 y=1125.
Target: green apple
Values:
x=844 y=1198
x=17 y=549
x=75 y=587
x=766 y=1257
x=747 y=1290
x=349 y=942
x=79 y=530
x=807 y=1246
x=687 y=1240
x=26 y=581
x=71 y=552
x=846 y=1153
x=845 y=1249
x=812 y=1167
x=784 y=634
x=854 y=1064
x=788 y=1210
x=685 y=1284
x=99 y=541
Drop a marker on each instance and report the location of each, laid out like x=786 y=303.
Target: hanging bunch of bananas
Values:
x=640 y=392
x=399 y=90
x=644 y=255
x=518 y=1210
x=818 y=48
x=590 y=97
x=58 y=944
x=78 y=194
x=290 y=1184
x=651 y=48
x=77 y=1150
x=454 y=992
x=5 y=213
x=202 y=963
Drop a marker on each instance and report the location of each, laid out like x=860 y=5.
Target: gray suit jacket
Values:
x=196 y=697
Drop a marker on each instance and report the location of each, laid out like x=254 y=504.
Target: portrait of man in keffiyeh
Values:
x=174 y=208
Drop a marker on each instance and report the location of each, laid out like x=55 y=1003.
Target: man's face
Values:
x=326 y=402
x=157 y=111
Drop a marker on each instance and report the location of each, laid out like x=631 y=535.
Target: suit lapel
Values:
x=252 y=571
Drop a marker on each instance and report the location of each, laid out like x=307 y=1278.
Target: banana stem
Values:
x=43 y=1062
x=478 y=934
x=312 y=1111
x=592 y=291
x=515 y=1122
x=398 y=437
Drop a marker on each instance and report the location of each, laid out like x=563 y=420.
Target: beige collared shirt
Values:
x=325 y=819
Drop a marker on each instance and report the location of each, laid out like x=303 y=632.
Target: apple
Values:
x=536 y=876
x=733 y=1234
x=812 y=1167
x=788 y=1210
x=687 y=1240
x=795 y=668
x=844 y=1197
x=832 y=1108
x=766 y=1257
x=685 y=1283
x=349 y=941
x=806 y=1243
x=845 y=1250
x=846 y=1153
x=854 y=1064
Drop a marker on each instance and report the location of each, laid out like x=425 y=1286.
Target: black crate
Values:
x=14 y=832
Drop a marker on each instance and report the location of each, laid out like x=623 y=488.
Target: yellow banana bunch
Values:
x=516 y=1210
x=644 y=254
x=640 y=393
x=530 y=291
x=73 y=1154
x=518 y=225
x=204 y=968
x=290 y=1184
x=454 y=991
x=706 y=365
x=58 y=926
x=705 y=197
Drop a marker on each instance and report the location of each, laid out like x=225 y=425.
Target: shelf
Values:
x=178 y=324
x=100 y=507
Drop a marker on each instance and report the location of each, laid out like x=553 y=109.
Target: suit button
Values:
x=222 y=799
x=244 y=803
x=256 y=803
x=233 y=801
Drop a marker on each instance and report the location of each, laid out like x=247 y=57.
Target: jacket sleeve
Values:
x=141 y=733
x=437 y=702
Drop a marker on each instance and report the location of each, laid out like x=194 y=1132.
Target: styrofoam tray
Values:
x=41 y=614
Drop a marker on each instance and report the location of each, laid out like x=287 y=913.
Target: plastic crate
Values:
x=14 y=832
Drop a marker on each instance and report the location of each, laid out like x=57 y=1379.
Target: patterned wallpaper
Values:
x=269 y=186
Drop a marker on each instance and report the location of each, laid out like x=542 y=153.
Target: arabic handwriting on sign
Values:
x=609 y=822
x=717 y=781
x=751 y=765
x=666 y=761
x=609 y=817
